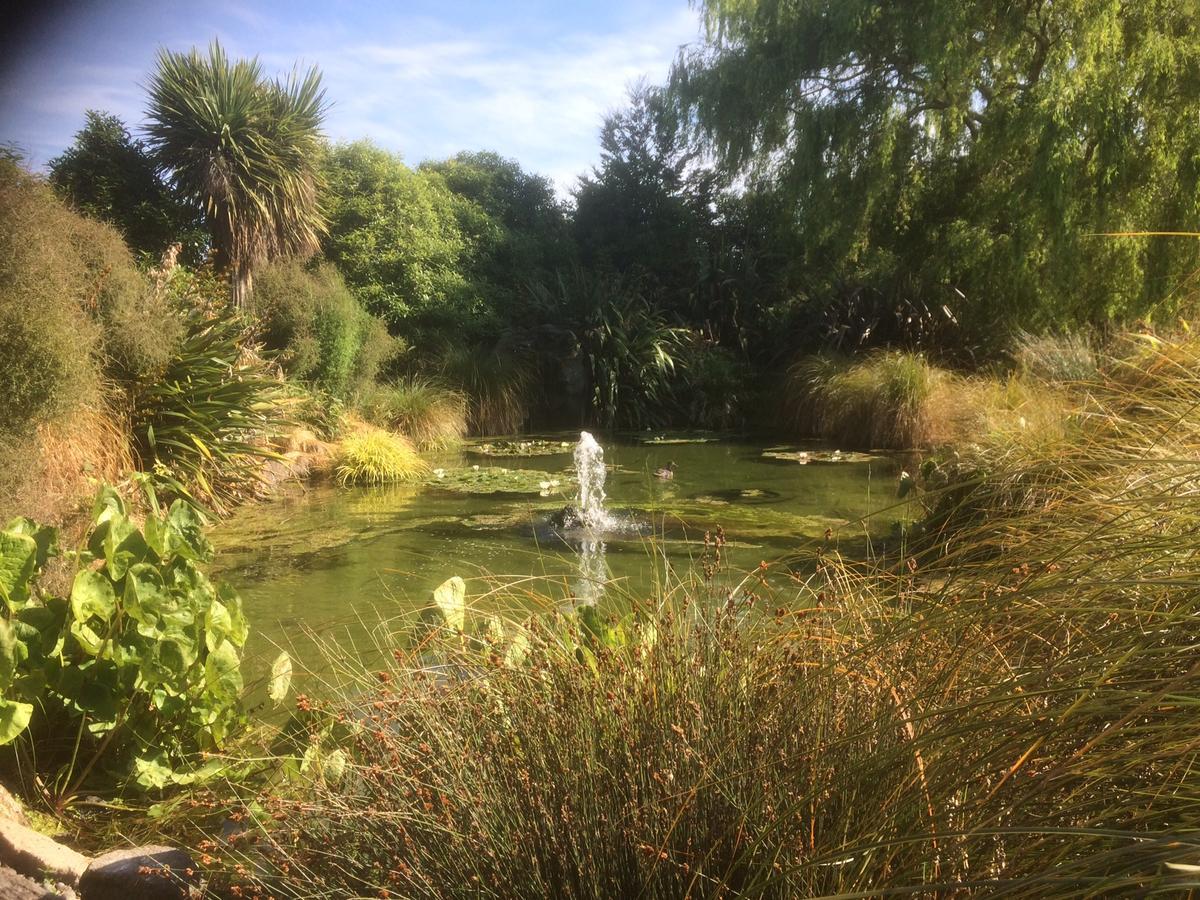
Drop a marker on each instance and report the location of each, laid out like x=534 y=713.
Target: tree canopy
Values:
x=108 y=174
x=942 y=150
x=395 y=234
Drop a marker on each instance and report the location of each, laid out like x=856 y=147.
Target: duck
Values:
x=666 y=472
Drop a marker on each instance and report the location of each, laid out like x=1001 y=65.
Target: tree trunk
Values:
x=241 y=282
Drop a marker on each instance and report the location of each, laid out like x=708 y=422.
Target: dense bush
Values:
x=124 y=681
x=110 y=175
x=51 y=347
x=320 y=332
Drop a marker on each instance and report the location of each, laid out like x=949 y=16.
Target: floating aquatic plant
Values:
x=499 y=480
x=521 y=448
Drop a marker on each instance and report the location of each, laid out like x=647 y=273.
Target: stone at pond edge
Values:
x=141 y=873
x=34 y=854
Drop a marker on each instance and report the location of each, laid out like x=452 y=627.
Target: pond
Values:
x=322 y=555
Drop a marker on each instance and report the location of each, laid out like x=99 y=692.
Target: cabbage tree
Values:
x=245 y=148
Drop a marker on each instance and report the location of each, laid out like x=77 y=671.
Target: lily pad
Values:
x=521 y=448
x=498 y=480
x=819 y=457
x=679 y=439
x=738 y=495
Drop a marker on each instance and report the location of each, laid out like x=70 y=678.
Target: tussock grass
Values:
x=498 y=381
x=888 y=400
x=374 y=456
x=431 y=416
x=1056 y=359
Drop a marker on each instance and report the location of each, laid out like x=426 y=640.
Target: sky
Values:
x=530 y=80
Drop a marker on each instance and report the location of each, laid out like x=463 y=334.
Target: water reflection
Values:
x=593 y=572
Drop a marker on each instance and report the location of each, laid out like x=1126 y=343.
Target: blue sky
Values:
x=530 y=80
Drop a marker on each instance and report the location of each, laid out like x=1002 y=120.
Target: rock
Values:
x=141 y=873
x=11 y=808
x=18 y=887
x=32 y=853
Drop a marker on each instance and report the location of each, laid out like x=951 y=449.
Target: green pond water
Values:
x=322 y=556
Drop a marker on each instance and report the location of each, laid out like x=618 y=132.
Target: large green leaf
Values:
x=14 y=718
x=281 y=677
x=146 y=597
x=223 y=674
x=44 y=536
x=449 y=598
x=8 y=655
x=92 y=594
x=18 y=556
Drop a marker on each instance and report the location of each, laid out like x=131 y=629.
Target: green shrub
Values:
x=136 y=671
x=50 y=346
x=431 y=416
x=715 y=389
x=204 y=427
x=140 y=326
x=373 y=456
x=321 y=333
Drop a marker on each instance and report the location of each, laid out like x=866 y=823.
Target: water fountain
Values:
x=589 y=467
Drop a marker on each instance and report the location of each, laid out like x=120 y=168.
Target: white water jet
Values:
x=589 y=467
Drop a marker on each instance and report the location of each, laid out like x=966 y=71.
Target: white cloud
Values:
x=542 y=105
x=413 y=84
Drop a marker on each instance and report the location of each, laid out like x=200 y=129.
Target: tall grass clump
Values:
x=1056 y=359
x=372 y=456
x=498 y=381
x=431 y=416
x=888 y=400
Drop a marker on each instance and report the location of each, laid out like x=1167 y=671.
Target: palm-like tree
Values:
x=245 y=148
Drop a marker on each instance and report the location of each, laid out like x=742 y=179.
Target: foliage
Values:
x=243 y=149
x=644 y=211
x=428 y=414
x=317 y=328
x=203 y=428
x=515 y=225
x=889 y=400
x=50 y=346
x=624 y=343
x=394 y=235
x=108 y=174
x=715 y=392
x=136 y=671
x=930 y=158
x=373 y=456
x=498 y=378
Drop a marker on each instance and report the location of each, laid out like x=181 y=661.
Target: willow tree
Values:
x=245 y=148
x=938 y=150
